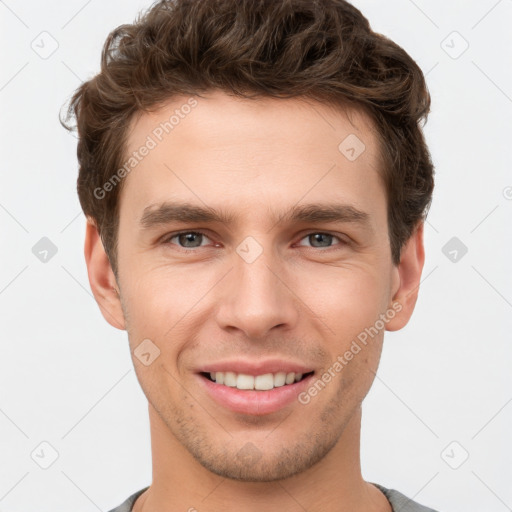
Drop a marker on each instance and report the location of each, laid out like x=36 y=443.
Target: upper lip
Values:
x=255 y=367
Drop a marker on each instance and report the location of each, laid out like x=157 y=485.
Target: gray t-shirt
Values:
x=399 y=502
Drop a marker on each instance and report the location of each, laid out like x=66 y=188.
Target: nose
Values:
x=257 y=297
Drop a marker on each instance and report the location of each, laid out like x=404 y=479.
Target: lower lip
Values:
x=255 y=402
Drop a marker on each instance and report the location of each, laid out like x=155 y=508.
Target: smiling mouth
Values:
x=264 y=382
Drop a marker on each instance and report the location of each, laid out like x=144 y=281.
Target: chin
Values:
x=253 y=464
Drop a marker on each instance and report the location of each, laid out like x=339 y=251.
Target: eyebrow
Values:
x=168 y=212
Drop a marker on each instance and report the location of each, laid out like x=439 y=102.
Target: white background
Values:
x=66 y=376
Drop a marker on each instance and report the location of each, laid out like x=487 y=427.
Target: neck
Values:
x=333 y=484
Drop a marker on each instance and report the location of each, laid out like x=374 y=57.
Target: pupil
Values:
x=322 y=238
x=189 y=237
x=318 y=237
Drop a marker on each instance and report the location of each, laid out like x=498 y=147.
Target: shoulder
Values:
x=127 y=505
x=400 y=502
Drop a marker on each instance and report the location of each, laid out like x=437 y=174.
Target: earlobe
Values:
x=101 y=278
x=409 y=271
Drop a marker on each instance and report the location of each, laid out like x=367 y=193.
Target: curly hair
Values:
x=323 y=50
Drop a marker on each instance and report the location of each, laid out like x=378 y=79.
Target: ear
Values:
x=407 y=275
x=101 y=278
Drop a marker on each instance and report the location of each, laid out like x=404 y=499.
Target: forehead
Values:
x=218 y=116
x=222 y=149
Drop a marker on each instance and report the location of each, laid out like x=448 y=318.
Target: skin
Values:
x=302 y=300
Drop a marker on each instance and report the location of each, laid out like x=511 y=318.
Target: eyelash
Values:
x=168 y=238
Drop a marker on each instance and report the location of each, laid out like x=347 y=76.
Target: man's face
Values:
x=262 y=293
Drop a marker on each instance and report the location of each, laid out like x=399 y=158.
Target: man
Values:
x=255 y=181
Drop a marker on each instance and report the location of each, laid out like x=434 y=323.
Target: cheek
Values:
x=163 y=293
x=348 y=298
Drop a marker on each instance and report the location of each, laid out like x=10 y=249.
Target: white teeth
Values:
x=263 y=382
x=245 y=381
x=229 y=379
x=290 y=378
x=279 y=379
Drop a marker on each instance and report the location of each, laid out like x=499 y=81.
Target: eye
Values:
x=187 y=239
x=190 y=240
x=319 y=239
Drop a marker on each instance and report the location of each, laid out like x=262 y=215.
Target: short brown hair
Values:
x=319 y=49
